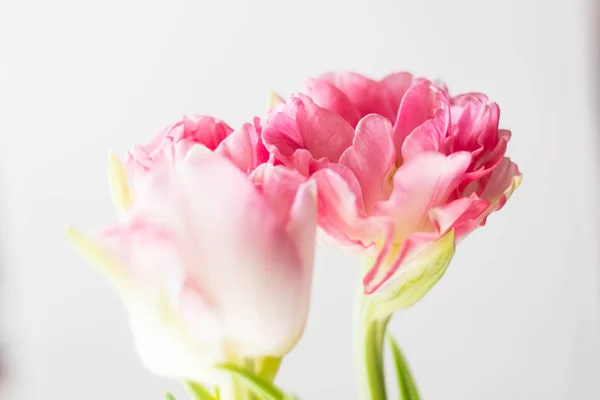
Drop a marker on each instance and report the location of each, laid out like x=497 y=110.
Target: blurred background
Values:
x=517 y=314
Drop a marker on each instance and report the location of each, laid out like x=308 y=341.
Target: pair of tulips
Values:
x=214 y=245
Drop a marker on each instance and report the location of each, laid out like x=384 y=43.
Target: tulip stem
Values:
x=369 y=340
x=241 y=389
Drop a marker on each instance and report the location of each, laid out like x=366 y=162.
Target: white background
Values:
x=515 y=317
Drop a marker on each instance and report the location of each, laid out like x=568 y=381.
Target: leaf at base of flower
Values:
x=169 y=396
x=406 y=383
x=264 y=389
x=199 y=392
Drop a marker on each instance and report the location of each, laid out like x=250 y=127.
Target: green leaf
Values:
x=259 y=386
x=199 y=392
x=169 y=396
x=406 y=383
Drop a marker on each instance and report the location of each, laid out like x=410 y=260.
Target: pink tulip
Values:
x=244 y=146
x=214 y=265
x=401 y=168
x=189 y=131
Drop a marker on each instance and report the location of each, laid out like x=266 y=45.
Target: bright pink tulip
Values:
x=401 y=167
x=215 y=265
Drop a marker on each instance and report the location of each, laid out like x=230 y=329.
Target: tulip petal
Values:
x=430 y=136
x=97 y=255
x=245 y=147
x=397 y=84
x=119 y=188
x=363 y=92
x=418 y=105
x=420 y=184
x=209 y=263
x=235 y=215
x=502 y=182
x=190 y=130
x=372 y=158
x=161 y=337
x=486 y=160
x=475 y=121
x=301 y=124
x=282 y=135
x=301 y=226
x=461 y=215
x=201 y=129
x=167 y=344
x=274 y=100
x=326 y=95
x=279 y=186
x=341 y=209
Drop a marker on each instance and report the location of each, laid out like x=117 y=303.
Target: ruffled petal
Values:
x=495 y=188
x=201 y=129
x=369 y=96
x=484 y=162
x=341 y=208
x=474 y=122
x=418 y=105
x=396 y=86
x=372 y=158
x=503 y=181
x=430 y=136
x=461 y=215
x=245 y=147
x=190 y=130
x=301 y=124
x=420 y=184
x=326 y=95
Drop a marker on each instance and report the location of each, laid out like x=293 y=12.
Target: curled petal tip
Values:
x=516 y=182
x=119 y=188
x=274 y=100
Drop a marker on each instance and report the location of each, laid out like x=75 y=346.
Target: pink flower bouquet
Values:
x=214 y=243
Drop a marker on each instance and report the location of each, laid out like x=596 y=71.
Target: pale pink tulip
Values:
x=244 y=146
x=402 y=168
x=187 y=132
x=214 y=265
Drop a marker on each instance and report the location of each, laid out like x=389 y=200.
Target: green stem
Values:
x=369 y=340
x=240 y=388
x=264 y=367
